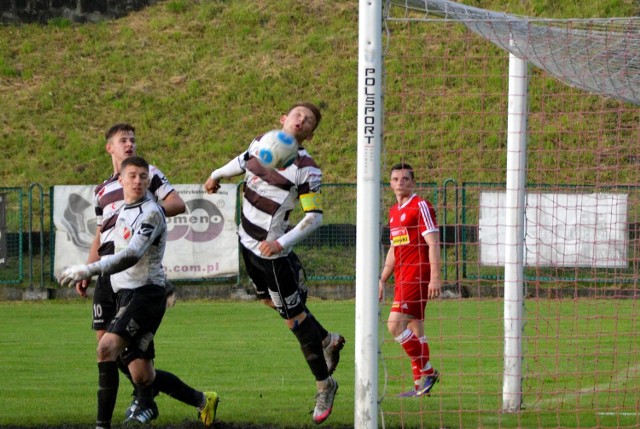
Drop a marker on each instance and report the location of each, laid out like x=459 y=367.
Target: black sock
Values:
x=310 y=340
x=145 y=396
x=108 y=381
x=323 y=332
x=176 y=388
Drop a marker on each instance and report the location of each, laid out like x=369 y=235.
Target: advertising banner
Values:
x=201 y=243
x=561 y=230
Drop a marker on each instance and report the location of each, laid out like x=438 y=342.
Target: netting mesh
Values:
x=599 y=55
x=445 y=113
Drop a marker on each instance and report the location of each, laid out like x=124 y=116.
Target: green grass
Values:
x=580 y=365
x=200 y=78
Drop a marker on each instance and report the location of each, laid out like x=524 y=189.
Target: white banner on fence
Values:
x=201 y=243
x=561 y=230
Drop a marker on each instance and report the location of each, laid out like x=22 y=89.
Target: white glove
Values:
x=73 y=274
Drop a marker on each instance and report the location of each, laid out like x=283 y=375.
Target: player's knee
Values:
x=395 y=328
x=288 y=306
x=142 y=379
x=296 y=321
x=105 y=352
x=268 y=303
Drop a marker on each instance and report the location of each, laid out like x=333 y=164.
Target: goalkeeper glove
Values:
x=74 y=274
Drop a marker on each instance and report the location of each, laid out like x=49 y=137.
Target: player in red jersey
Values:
x=414 y=260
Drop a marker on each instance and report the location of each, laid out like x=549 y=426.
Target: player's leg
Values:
x=108 y=379
x=147 y=309
x=282 y=279
x=426 y=376
x=332 y=342
x=143 y=308
x=258 y=281
x=406 y=324
x=104 y=310
x=205 y=402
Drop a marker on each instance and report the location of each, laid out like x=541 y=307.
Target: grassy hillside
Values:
x=197 y=79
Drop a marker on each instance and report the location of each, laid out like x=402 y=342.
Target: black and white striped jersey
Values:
x=139 y=238
x=270 y=196
x=108 y=200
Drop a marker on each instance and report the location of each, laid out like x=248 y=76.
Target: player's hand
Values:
x=211 y=186
x=82 y=286
x=269 y=248
x=381 y=286
x=74 y=274
x=435 y=286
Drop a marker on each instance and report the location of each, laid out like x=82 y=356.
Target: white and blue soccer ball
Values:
x=276 y=149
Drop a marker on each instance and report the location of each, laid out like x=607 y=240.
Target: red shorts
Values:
x=411 y=299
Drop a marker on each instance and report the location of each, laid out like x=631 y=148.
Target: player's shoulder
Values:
x=305 y=160
x=151 y=207
x=307 y=170
x=109 y=191
x=423 y=201
x=154 y=170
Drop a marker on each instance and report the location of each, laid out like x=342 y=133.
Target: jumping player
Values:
x=266 y=243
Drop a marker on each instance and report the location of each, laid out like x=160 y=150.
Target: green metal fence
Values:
x=329 y=253
x=11 y=236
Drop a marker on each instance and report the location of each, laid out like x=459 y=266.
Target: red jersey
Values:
x=408 y=224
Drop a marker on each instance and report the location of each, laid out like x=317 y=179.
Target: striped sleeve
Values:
x=427 y=217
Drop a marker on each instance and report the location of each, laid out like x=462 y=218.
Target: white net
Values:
x=598 y=55
x=445 y=113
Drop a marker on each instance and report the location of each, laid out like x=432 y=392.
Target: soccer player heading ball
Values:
x=267 y=240
x=275 y=149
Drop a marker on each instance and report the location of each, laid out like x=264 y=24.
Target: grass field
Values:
x=199 y=79
x=581 y=365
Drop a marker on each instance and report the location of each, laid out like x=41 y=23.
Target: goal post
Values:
x=368 y=212
x=514 y=233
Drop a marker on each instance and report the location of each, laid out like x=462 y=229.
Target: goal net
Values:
x=547 y=262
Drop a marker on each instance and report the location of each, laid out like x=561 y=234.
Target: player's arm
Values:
x=83 y=285
x=231 y=169
x=126 y=258
x=435 y=284
x=168 y=198
x=387 y=271
x=309 y=223
x=144 y=236
x=173 y=204
x=311 y=203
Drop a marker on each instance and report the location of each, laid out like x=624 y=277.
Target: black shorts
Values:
x=104 y=304
x=140 y=312
x=281 y=279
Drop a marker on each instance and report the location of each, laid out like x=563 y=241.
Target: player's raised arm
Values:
x=231 y=169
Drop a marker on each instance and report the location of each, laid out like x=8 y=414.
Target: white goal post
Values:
x=368 y=212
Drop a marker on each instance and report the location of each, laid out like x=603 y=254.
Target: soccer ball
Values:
x=276 y=149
